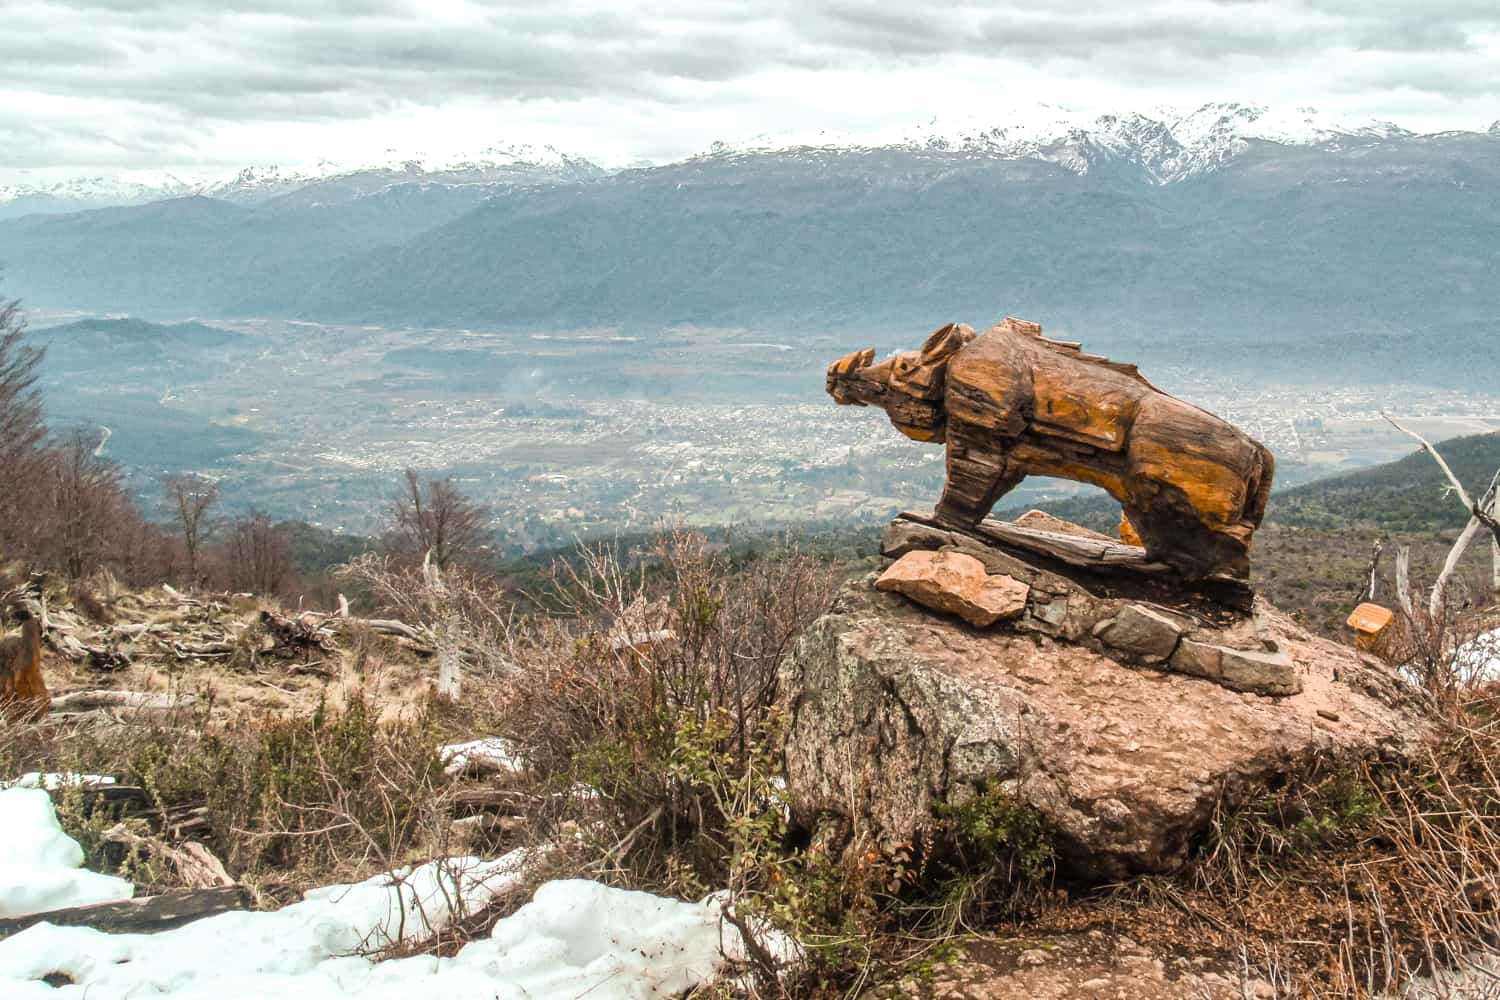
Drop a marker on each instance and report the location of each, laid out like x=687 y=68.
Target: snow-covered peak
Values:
x=117 y=189
x=1168 y=144
x=1289 y=126
x=492 y=164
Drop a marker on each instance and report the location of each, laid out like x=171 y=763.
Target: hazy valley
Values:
x=580 y=433
x=590 y=350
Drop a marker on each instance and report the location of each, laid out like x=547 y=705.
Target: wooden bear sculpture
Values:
x=1010 y=403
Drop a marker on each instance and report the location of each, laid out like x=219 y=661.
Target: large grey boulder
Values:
x=894 y=709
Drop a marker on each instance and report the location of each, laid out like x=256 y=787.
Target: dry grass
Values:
x=643 y=705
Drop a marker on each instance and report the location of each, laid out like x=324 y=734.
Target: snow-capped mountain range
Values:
x=503 y=164
x=1168 y=145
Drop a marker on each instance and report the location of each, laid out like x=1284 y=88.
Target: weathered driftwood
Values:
x=1482 y=517
x=195 y=864
x=202 y=650
x=1010 y=404
x=467 y=801
x=138 y=916
x=60 y=629
x=316 y=628
x=82 y=701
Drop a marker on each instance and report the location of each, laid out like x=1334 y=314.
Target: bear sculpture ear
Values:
x=921 y=373
x=945 y=342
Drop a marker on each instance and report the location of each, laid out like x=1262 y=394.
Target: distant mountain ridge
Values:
x=1168 y=145
x=493 y=165
x=92 y=335
x=1344 y=254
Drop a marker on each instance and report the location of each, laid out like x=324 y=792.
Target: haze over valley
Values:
x=592 y=349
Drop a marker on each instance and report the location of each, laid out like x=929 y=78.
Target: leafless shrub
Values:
x=655 y=689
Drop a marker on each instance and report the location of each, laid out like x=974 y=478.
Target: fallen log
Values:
x=138 y=916
x=392 y=627
x=202 y=650
x=467 y=801
x=129 y=799
x=80 y=701
x=195 y=864
x=421 y=640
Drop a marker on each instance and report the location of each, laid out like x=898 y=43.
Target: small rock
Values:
x=1262 y=673
x=1140 y=631
x=1033 y=957
x=956 y=584
x=1326 y=714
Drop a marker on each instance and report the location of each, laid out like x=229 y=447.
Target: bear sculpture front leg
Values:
x=978 y=475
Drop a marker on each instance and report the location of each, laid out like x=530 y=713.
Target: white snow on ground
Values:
x=1478 y=660
x=574 y=939
x=40 y=866
x=492 y=753
x=52 y=780
x=1475 y=663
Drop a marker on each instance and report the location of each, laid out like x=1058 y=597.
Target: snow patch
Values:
x=40 y=866
x=575 y=938
x=1478 y=660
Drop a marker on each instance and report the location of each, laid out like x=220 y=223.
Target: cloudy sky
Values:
x=204 y=86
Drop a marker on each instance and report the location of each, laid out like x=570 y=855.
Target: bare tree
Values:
x=22 y=430
x=259 y=554
x=1482 y=517
x=434 y=520
x=192 y=497
x=89 y=506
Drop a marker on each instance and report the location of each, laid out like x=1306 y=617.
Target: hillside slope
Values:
x=1285 y=254
x=1406 y=495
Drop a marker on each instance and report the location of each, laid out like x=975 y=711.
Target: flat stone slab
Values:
x=894 y=710
x=957 y=584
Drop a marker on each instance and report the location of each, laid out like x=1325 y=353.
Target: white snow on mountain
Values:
x=1169 y=144
x=493 y=164
x=119 y=189
x=497 y=164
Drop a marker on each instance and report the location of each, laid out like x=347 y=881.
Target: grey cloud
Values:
x=177 y=67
